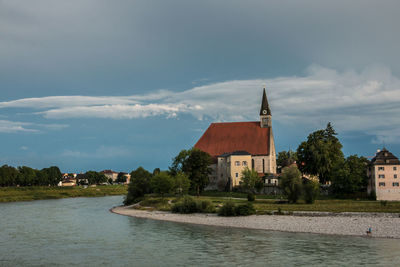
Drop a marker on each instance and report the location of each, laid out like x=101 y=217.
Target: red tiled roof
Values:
x=228 y=137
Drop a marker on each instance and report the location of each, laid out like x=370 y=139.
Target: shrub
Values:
x=245 y=210
x=311 y=191
x=372 y=195
x=251 y=197
x=228 y=209
x=291 y=183
x=205 y=206
x=186 y=205
x=384 y=203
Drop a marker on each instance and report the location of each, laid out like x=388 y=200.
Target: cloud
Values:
x=7 y=126
x=366 y=101
x=100 y=153
x=14 y=127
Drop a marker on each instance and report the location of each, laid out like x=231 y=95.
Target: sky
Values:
x=94 y=85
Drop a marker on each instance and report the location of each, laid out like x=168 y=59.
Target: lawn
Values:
x=11 y=194
x=266 y=206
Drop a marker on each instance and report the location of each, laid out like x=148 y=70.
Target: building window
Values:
x=252 y=164
x=263 y=166
x=244 y=163
x=237 y=163
x=381 y=168
x=395 y=168
x=395 y=176
x=381 y=176
x=381 y=184
x=395 y=184
x=237 y=175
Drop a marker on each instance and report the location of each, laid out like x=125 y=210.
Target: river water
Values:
x=82 y=232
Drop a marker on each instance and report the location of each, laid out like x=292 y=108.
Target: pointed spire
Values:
x=264 y=105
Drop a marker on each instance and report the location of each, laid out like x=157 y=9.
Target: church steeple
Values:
x=265 y=112
x=264 y=105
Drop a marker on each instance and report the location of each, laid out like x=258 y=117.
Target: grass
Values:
x=268 y=206
x=12 y=194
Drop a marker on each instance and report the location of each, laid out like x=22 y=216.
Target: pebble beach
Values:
x=351 y=224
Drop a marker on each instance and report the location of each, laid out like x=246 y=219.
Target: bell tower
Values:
x=265 y=112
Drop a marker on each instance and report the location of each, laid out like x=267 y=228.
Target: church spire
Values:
x=265 y=110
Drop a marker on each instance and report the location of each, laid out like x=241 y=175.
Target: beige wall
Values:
x=386 y=191
x=235 y=171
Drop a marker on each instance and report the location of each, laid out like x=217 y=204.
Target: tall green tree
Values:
x=196 y=165
x=53 y=174
x=291 y=184
x=351 y=176
x=26 y=176
x=8 y=175
x=182 y=183
x=162 y=183
x=249 y=180
x=138 y=186
x=320 y=154
x=94 y=177
x=285 y=158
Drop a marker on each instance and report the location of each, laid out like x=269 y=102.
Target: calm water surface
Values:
x=82 y=232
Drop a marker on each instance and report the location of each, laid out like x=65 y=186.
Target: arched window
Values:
x=263 y=166
x=252 y=164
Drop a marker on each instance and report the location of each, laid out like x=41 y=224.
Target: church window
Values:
x=263 y=166
x=252 y=163
x=237 y=175
x=244 y=163
x=381 y=184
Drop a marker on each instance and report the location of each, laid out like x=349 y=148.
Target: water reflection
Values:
x=82 y=232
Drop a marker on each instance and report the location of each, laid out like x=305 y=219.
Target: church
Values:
x=235 y=146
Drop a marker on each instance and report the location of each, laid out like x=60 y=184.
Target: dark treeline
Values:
x=26 y=176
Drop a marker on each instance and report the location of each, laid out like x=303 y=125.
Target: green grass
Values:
x=11 y=194
x=267 y=206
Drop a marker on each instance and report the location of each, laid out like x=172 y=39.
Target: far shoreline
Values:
x=353 y=225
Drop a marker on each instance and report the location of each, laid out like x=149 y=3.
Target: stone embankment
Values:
x=354 y=224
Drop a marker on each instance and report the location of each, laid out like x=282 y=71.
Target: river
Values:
x=82 y=232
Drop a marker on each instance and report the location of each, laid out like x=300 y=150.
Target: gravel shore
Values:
x=354 y=224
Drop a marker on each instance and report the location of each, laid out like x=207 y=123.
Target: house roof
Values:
x=384 y=157
x=230 y=137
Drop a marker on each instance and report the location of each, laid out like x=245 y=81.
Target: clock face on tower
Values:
x=264 y=112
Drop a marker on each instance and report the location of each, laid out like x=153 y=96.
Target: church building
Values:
x=237 y=145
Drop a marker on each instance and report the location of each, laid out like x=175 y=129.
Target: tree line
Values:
x=26 y=176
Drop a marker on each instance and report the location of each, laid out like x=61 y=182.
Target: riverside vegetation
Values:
x=11 y=194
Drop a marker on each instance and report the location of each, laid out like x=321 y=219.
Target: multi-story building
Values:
x=384 y=176
x=235 y=146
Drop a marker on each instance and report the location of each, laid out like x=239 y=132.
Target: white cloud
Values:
x=365 y=101
x=14 y=126
x=7 y=126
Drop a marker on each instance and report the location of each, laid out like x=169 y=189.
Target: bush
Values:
x=311 y=191
x=384 y=203
x=245 y=210
x=372 y=195
x=291 y=183
x=185 y=206
x=205 y=206
x=228 y=209
x=251 y=197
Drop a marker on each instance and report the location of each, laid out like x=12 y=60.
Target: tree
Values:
x=182 y=183
x=286 y=158
x=53 y=174
x=156 y=171
x=8 y=175
x=351 y=176
x=162 y=183
x=311 y=191
x=196 y=165
x=249 y=179
x=121 y=178
x=94 y=177
x=139 y=185
x=291 y=183
x=320 y=154
x=26 y=176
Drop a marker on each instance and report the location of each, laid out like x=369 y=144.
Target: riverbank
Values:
x=385 y=226
x=12 y=194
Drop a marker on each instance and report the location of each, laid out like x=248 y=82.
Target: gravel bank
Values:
x=355 y=224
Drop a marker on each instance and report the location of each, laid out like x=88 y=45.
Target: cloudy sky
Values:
x=92 y=85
